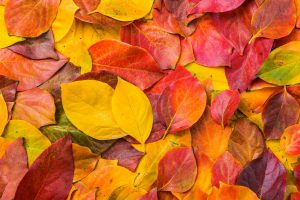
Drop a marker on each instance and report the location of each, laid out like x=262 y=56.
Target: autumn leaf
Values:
x=34 y=18
x=209 y=137
x=12 y=170
x=246 y=142
x=213 y=6
x=52 y=172
x=133 y=64
x=78 y=106
x=281 y=62
x=270 y=22
x=17 y=67
x=266 y=176
x=164 y=47
x=226 y=169
x=132 y=110
x=177 y=170
x=3 y=113
x=35 y=141
x=181 y=104
x=289 y=140
x=280 y=111
x=125 y=11
x=39 y=103
x=224 y=105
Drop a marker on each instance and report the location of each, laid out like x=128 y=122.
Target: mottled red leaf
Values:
x=51 y=174
x=126 y=155
x=266 y=176
x=41 y=47
x=271 y=21
x=290 y=140
x=132 y=63
x=30 y=18
x=65 y=75
x=172 y=76
x=163 y=46
x=280 y=111
x=35 y=106
x=235 y=25
x=102 y=76
x=29 y=73
x=181 y=104
x=171 y=23
x=203 y=6
x=226 y=169
x=177 y=170
x=210 y=46
x=224 y=105
x=245 y=67
x=13 y=167
x=246 y=141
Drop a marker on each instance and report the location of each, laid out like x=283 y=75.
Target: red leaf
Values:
x=102 y=76
x=225 y=169
x=132 y=63
x=8 y=89
x=151 y=195
x=38 y=48
x=187 y=54
x=266 y=176
x=163 y=46
x=162 y=84
x=13 y=167
x=203 y=6
x=210 y=47
x=280 y=111
x=245 y=67
x=17 y=67
x=290 y=140
x=177 y=170
x=89 y=5
x=126 y=155
x=297 y=175
x=295 y=196
x=235 y=25
x=181 y=104
x=30 y=18
x=39 y=103
x=224 y=105
x=51 y=174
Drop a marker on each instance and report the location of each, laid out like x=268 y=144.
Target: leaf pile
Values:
x=149 y=99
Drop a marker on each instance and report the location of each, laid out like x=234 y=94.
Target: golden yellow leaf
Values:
x=79 y=38
x=84 y=160
x=128 y=10
x=64 y=19
x=3 y=113
x=35 y=141
x=147 y=170
x=87 y=105
x=217 y=75
x=5 y=39
x=132 y=110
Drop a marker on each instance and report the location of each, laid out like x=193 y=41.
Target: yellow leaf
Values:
x=147 y=170
x=64 y=19
x=288 y=161
x=79 y=38
x=35 y=141
x=5 y=39
x=128 y=10
x=217 y=75
x=87 y=105
x=84 y=160
x=132 y=110
x=3 y=113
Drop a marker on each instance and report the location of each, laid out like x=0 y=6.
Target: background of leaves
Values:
x=144 y=99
